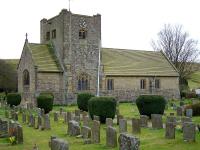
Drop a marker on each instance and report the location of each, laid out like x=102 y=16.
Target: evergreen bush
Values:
x=13 y=99
x=82 y=100
x=104 y=107
x=45 y=101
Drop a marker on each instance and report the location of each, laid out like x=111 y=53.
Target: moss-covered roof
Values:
x=121 y=62
x=44 y=58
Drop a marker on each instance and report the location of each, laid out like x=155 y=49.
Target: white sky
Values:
x=130 y=24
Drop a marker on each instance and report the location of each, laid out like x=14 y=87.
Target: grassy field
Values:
x=194 y=81
x=150 y=139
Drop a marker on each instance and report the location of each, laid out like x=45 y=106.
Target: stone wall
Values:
x=128 y=88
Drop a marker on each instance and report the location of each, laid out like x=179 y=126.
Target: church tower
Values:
x=76 y=40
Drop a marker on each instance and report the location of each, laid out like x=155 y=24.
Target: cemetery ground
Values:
x=150 y=139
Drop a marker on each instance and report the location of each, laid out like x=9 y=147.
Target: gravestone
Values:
x=73 y=128
x=86 y=121
x=69 y=116
x=3 y=128
x=170 y=130
x=189 y=131
x=122 y=125
x=59 y=144
x=109 y=122
x=77 y=118
x=118 y=118
x=128 y=142
x=19 y=136
x=15 y=116
x=111 y=137
x=171 y=119
x=156 y=121
x=39 y=123
x=136 y=125
x=31 y=120
x=23 y=117
x=61 y=111
x=144 y=121
x=47 y=122
x=96 y=131
x=77 y=112
x=189 y=112
x=96 y=118
x=55 y=116
x=84 y=114
x=186 y=119
x=179 y=111
x=86 y=132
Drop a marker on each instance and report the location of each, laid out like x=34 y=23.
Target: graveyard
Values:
x=151 y=135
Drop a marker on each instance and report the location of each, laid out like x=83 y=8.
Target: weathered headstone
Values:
x=86 y=132
x=189 y=112
x=65 y=117
x=128 y=142
x=73 y=128
x=111 y=137
x=39 y=123
x=179 y=111
x=31 y=120
x=189 y=131
x=170 y=130
x=136 y=125
x=156 y=121
x=55 y=116
x=86 y=121
x=109 y=122
x=47 y=122
x=19 y=136
x=3 y=128
x=61 y=111
x=15 y=116
x=77 y=112
x=171 y=119
x=96 y=131
x=69 y=116
x=23 y=117
x=144 y=120
x=96 y=118
x=122 y=125
x=59 y=144
x=118 y=118
x=77 y=118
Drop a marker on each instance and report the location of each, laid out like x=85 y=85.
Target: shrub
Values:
x=104 y=107
x=82 y=100
x=45 y=101
x=191 y=94
x=195 y=109
x=13 y=99
x=150 y=104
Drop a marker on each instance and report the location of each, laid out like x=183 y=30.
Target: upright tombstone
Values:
x=47 y=122
x=109 y=122
x=59 y=144
x=69 y=116
x=156 y=121
x=3 y=128
x=96 y=118
x=171 y=119
x=118 y=118
x=122 y=125
x=77 y=112
x=86 y=132
x=19 y=136
x=31 y=120
x=86 y=121
x=73 y=128
x=61 y=110
x=96 y=131
x=136 y=125
x=189 y=131
x=111 y=137
x=77 y=118
x=144 y=121
x=15 y=115
x=24 y=117
x=179 y=111
x=170 y=130
x=39 y=123
x=55 y=116
x=128 y=142
x=189 y=112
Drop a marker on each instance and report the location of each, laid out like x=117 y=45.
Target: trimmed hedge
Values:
x=45 y=101
x=13 y=99
x=195 y=109
x=82 y=100
x=150 y=104
x=104 y=107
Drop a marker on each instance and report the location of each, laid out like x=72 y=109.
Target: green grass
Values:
x=150 y=139
x=194 y=81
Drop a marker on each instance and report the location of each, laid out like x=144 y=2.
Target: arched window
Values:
x=82 y=34
x=26 y=77
x=83 y=82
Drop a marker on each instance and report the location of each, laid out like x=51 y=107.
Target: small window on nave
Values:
x=48 y=36
x=142 y=84
x=53 y=34
x=110 y=84
x=82 y=34
x=83 y=82
x=26 y=77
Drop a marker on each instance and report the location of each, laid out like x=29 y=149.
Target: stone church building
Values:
x=69 y=59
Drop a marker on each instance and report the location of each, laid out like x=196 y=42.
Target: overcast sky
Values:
x=130 y=24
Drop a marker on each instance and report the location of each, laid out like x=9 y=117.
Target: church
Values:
x=70 y=59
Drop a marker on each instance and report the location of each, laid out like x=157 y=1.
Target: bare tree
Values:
x=181 y=50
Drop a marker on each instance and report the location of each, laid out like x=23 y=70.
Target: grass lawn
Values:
x=150 y=139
